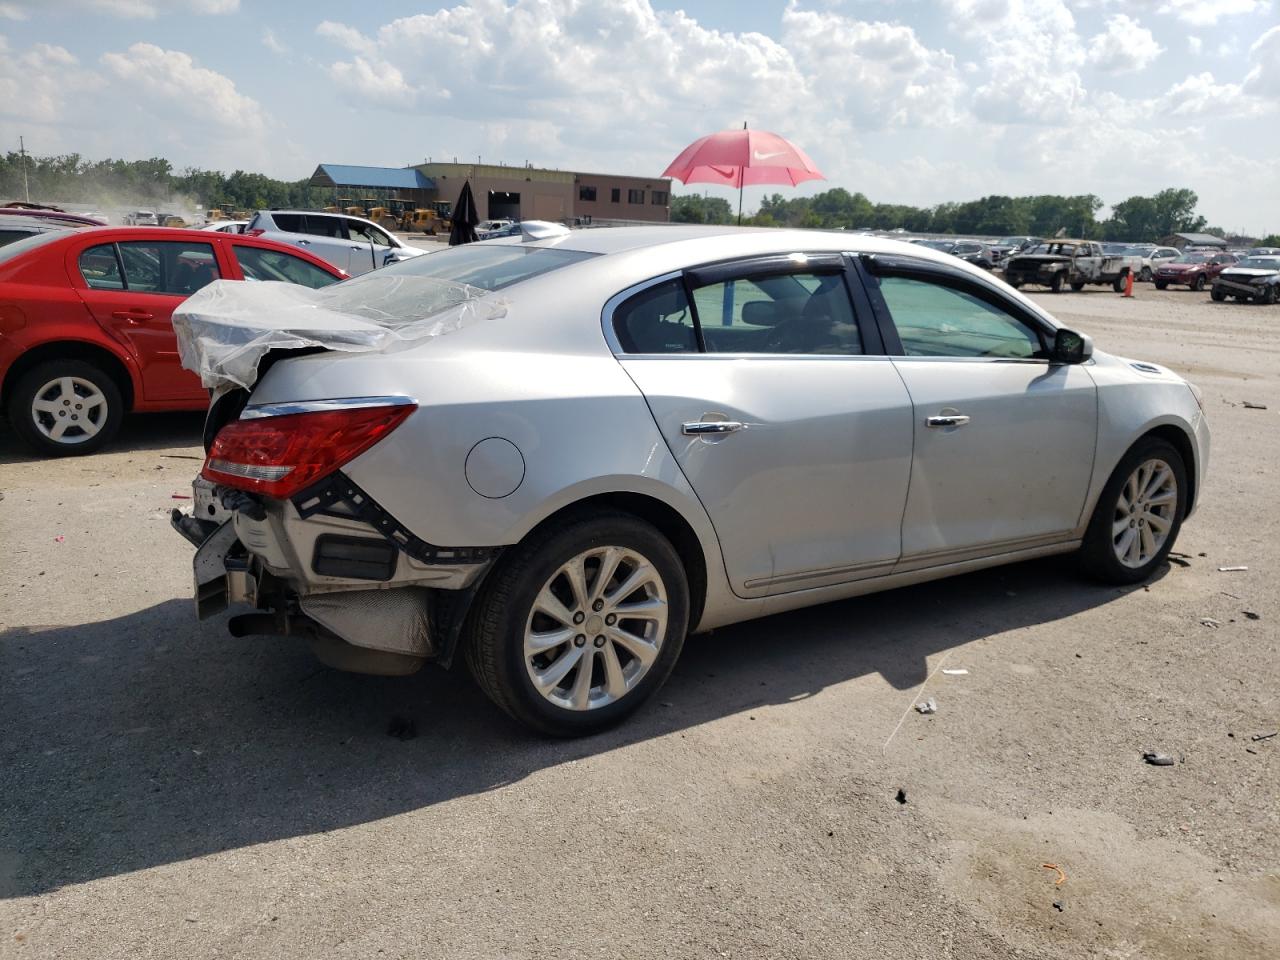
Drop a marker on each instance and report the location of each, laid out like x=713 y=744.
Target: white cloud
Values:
x=1205 y=13
x=35 y=84
x=1195 y=45
x=215 y=7
x=271 y=43
x=171 y=80
x=1201 y=94
x=1124 y=47
x=125 y=9
x=11 y=11
x=122 y=9
x=347 y=37
x=1263 y=79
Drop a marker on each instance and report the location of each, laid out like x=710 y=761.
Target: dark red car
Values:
x=86 y=330
x=1196 y=269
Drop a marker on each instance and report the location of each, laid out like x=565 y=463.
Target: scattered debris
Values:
x=928 y=706
x=1059 y=906
x=957 y=672
x=180 y=496
x=59 y=539
x=1265 y=736
x=1236 y=569
x=902 y=796
x=1250 y=405
x=179 y=456
x=1062 y=874
x=1231 y=595
x=1158 y=759
x=1251 y=615
x=402 y=728
x=1210 y=622
x=1251 y=750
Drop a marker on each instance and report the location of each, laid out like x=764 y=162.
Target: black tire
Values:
x=496 y=626
x=1015 y=283
x=1272 y=294
x=1118 y=284
x=1161 y=285
x=1055 y=282
x=1217 y=294
x=1145 y=275
x=35 y=381
x=1199 y=283
x=1077 y=286
x=1097 y=554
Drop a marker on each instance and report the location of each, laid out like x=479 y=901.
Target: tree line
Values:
x=1137 y=219
x=73 y=179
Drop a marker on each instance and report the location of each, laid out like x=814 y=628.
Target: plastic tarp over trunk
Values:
x=225 y=329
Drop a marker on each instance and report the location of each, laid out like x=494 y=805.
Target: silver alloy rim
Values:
x=1144 y=513
x=596 y=628
x=69 y=410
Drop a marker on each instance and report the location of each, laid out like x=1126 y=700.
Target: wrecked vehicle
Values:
x=1195 y=269
x=1061 y=263
x=555 y=457
x=1253 y=278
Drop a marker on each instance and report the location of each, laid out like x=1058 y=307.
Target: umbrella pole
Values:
x=740 y=202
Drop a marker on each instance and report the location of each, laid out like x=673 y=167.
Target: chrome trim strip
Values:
x=787 y=578
x=316 y=406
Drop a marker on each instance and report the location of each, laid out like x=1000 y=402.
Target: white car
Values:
x=1152 y=259
x=226 y=226
x=489 y=229
x=349 y=243
x=599 y=441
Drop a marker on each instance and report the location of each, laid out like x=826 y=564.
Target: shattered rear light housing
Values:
x=281 y=455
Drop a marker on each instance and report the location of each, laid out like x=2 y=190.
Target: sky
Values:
x=904 y=100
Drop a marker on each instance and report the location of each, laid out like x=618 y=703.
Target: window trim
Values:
x=115 y=252
x=872 y=266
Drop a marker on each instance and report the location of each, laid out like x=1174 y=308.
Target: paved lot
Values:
x=167 y=790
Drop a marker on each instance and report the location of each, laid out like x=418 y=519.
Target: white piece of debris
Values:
x=928 y=706
x=957 y=672
x=1210 y=622
x=1232 y=569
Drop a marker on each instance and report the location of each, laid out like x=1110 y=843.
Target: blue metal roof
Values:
x=388 y=178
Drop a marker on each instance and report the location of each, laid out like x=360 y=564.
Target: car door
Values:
x=1004 y=439
x=132 y=288
x=368 y=246
x=774 y=397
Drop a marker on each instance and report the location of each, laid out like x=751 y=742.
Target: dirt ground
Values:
x=167 y=790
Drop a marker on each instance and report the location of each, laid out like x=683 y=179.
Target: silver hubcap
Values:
x=596 y=627
x=1144 y=513
x=69 y=410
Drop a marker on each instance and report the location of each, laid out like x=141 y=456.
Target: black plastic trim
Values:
x=773 y=265
x=354 y=558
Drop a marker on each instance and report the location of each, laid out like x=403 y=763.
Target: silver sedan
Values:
x=593 y=443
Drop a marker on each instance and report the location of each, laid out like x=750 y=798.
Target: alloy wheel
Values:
x=69 y=410
x=596 y=627
x=1144 y=513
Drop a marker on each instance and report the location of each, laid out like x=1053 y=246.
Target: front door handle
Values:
x=702 y=428
x=303 y=243
x=133 y=316
x=947 y=420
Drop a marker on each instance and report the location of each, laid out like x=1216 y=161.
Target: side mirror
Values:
x=1071 y=347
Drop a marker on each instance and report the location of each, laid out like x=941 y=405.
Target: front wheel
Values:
x=1145 y=275
x=65 y=408
x=578 y=626
x=1077 y=286
x=1055 y=284
x=1217 y=294
x=1198 y=284
x=1272 y=294
x=1138 y=515
x=1161 y=285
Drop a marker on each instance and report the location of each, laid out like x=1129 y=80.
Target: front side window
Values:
x=100 y=268
x=796 y=313
x=179 y=268
x=367 y=233
x=259 y=264
x=935 y=320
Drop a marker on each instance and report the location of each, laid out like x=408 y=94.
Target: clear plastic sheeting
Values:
x=225 y=329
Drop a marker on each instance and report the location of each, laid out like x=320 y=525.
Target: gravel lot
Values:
x=168 y=790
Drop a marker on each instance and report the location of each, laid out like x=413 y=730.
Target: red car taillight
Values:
x=279 y=456
x=257 y=232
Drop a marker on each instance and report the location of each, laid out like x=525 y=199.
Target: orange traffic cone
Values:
x=1128 y=284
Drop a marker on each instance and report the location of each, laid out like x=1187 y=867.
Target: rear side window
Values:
x=794 y=313
x=288 y=222
x=9 y=236
x=259 y=264
x=177 y=268
x=656 y=320
x=101 y=269
x=322 y=226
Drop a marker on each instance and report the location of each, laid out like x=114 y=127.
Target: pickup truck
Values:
x=1059 y=263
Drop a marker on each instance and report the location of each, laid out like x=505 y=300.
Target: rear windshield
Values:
x=487 y=266
x=19 y=247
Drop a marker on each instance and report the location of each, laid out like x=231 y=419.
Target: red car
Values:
x=1196 y=269
x=86 y=330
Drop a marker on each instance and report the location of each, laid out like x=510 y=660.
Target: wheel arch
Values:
x=111 y=364
x=1181 y=441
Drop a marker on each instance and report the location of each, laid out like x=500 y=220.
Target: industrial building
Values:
x=503 y=192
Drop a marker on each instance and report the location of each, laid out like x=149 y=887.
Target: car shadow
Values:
x=139 y=432
x=151 y=739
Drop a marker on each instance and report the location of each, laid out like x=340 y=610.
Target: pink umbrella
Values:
x=738 y=157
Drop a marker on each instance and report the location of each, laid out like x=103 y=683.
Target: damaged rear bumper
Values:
x=329 y=565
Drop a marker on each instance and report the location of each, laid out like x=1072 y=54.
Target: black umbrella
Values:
x=465 y=218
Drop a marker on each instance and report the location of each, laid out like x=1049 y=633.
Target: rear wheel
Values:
x=1055 y=284
x=580 y=625
x=1138 y=515
x=1217 y=293
x=1077 y=286
x=66 y=408
x=1145 y=275
x=1161 y=285
x=1272 y=294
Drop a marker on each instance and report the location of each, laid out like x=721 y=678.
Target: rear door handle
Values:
x=133 y=316
x=303 y=243
x=700 y=428
x=948 y=420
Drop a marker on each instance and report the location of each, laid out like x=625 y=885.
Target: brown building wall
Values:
x=637 y=198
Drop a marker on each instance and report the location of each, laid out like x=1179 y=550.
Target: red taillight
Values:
x=279 y=456
x=256 y=232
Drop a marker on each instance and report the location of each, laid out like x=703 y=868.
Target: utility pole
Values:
x=26 y=188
